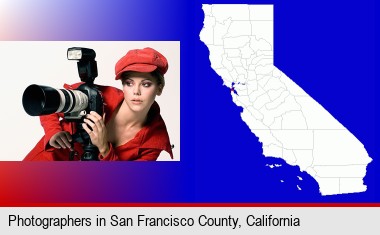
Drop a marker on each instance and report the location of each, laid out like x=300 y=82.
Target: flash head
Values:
x=80 y=53
x=87 y=68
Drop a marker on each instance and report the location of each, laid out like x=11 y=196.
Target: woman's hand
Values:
x=61 y=139
x=96 y=129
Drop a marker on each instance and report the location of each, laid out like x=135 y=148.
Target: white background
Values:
x=45 y=63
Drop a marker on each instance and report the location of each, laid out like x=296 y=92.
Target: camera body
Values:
x=94 y=102
x=40 y=100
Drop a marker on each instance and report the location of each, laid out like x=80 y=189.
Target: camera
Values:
x=42 y=100
x=75 y=104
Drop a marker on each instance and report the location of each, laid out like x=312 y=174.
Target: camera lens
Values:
x=39 y=100
x=71 y=101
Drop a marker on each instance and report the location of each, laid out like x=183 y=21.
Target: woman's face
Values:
x=140 y=91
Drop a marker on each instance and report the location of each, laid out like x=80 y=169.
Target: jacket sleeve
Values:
x=111 y=156
x=51 y=126
x=148 y=154
x=143 y=155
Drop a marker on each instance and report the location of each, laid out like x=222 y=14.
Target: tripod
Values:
x=91 y=152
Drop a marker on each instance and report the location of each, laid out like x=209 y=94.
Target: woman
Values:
x=131 y=127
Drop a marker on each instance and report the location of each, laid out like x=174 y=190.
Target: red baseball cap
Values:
x=141 y=60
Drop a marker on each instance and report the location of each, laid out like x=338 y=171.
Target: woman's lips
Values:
x=136 y=101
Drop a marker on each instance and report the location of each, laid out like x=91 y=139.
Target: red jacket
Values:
x=146 y=145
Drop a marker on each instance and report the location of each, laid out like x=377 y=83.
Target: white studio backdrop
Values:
x=24 y=63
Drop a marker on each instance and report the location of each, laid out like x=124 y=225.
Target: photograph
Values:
x=91 y=101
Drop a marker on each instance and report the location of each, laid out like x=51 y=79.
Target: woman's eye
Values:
x=128 y=83
x=146 y=84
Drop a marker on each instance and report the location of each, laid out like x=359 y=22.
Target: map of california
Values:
x=288 y=122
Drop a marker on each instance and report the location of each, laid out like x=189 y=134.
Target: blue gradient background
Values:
x=327 y=47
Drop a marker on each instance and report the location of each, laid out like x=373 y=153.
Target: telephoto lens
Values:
x=42 y=100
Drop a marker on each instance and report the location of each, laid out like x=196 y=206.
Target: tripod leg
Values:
x=73 y=153
x=91 y=153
